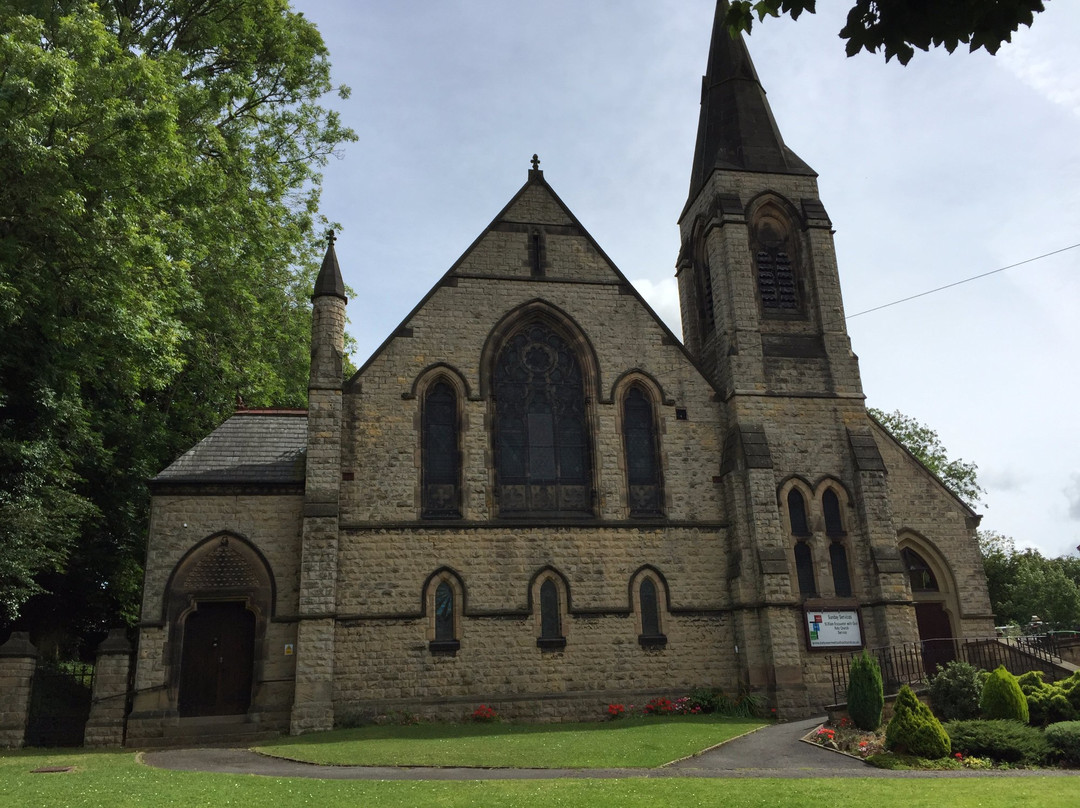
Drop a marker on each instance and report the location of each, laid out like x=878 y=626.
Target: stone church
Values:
x=534 y=496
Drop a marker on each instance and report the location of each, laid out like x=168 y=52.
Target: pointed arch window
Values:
x=775 y=264
x=804 y=569
x=645 y=493
x=797 y=513
x=440 y=452
x=543 y=459
x=551 y=634
x=920 y=575
x=841 y=574
x=445 y=604
x=649 y=606
x=830 y=506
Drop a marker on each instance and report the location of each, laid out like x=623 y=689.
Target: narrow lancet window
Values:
x=649 y=604
x=441 y=456
x=830 y=505
x=639 y=441
x=804 y=568
x=840 y=574
x=797 y=513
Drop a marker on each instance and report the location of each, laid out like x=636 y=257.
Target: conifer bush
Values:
x=955 y=691
x=914 y=730
x=1064 y=740
x=1003 y=741
x=1002 y=697
x=865 y=695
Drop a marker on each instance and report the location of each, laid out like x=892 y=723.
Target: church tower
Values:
x=802 y=476
x=313 y=701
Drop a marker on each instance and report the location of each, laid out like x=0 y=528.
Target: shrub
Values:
x=955 y=690
x=1003 y=698
x=865 y=696
x=1006 y=741
x=484 y=714
x=707 y=700
x=659 y=706
x=1064 y=741
x=913 y=729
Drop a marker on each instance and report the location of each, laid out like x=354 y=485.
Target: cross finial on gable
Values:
x=535 y=163
x=331 y=237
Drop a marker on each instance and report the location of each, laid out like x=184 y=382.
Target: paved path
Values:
x=774 y=751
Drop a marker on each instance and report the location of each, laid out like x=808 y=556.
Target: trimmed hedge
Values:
x=1064 y=740
x=1002 y=697
x=865 y=695
x=1001 y=740
x=955 y=691
x=913 y=729
x=1049 y=703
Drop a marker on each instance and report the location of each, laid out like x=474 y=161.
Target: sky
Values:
x=950 y=167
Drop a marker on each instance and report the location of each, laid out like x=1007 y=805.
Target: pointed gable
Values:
x=536 y=236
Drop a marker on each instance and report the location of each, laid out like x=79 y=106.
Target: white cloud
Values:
x=1072 y=493
x=1045 y=57
x=663 y=296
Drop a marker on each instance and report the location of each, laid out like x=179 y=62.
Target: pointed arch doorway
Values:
x=219 y=603
x=218 y=660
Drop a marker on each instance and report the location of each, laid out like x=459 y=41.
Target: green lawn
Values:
x=630 y=743
x=116 y=780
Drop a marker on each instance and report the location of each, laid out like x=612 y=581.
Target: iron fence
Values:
x=915 y=662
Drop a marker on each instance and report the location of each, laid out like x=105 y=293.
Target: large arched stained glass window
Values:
x=441 y=458
x=543 y=462
x=639 y=442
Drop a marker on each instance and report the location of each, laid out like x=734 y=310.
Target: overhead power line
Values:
x=965 y=280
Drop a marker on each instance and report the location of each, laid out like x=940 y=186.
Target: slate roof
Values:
x=736 y=130
x=252 y=447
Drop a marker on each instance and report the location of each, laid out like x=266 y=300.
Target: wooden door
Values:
x=935 y=632
x=218 y=660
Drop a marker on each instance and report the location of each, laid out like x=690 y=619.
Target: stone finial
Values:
x=331 y=238
x=535 y=163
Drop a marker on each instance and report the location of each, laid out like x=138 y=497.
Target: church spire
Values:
x=736 y=130
x=329 y=281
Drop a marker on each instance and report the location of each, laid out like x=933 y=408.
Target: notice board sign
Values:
x=834 y=628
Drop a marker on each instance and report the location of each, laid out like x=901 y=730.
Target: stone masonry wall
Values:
x=177 y=524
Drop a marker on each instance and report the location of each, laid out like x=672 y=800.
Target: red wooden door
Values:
x=218 y=660
x=935 y=631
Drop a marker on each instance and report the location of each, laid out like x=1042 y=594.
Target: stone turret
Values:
x=312 y=703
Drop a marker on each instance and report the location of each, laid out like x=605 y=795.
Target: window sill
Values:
x=551 y=643
x=444 y=647
x=652 y=640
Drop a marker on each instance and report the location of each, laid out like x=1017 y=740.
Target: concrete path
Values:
x=774 y=751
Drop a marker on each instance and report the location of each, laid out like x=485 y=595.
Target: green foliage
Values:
x=1064 y=740
x=1004 y=741
x=958 y=476
x=865 y=695
x=1023 y=584
x=158 y=212
x=1049 y=703
x=1002 y=697
x=955 y=691
x=914 y=730
x=899 y=28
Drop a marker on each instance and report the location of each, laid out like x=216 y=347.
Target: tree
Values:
x=158 y=211
x=900 y=26
x=1024 y=584
x=958 y=476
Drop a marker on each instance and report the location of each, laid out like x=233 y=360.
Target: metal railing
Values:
x=915 y=662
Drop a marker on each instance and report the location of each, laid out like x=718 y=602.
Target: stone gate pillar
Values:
x=18 y=658
x=108 y=705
